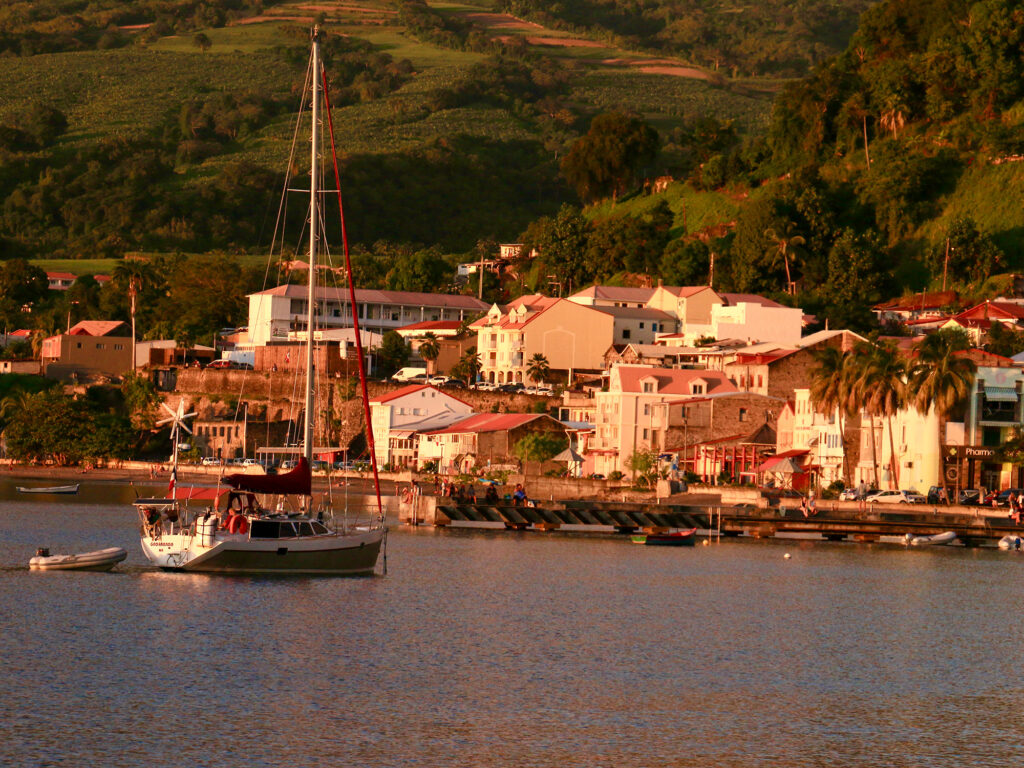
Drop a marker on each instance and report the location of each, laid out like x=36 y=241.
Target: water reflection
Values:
x=484 y=648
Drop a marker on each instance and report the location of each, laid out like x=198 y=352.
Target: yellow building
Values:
x=572 y=337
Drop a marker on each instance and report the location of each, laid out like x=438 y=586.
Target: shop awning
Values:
x=1001 y=394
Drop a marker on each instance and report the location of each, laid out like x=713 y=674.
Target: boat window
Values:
x=263 y=529
x=287 y=530
x=320 y=528
x=306 y=529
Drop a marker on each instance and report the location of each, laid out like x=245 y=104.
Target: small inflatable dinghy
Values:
x=1015 y=543
x=949 y=537
x=100 y=560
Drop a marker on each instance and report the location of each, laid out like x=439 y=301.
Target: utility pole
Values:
x=945 y=265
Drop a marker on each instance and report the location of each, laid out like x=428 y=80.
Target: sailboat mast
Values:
x=314 y=233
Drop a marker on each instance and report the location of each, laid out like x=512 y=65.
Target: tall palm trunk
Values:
x=874 y=451
x=893 y=464
x=842 y=447
x=133 y=330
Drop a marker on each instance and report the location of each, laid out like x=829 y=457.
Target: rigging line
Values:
x=282 y=205
x=352 y=297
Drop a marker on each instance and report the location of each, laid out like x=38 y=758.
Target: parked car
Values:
x=455 y=384
x=511 y=388
x=895 y=497
x=1001 y=498
x=218 y=365
x=850 y=494
x=969 y=496
x=409 y=375
x=545 y=391
x=249 y=462
x=211 y=461
x=439 y=380
x=289 y=464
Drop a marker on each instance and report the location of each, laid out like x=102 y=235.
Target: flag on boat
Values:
x=174 y=479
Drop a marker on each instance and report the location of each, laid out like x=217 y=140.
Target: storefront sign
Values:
x=959 y=452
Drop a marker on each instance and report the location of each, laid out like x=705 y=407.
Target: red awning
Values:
x=296 y=481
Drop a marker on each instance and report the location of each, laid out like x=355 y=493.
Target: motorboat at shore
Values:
x=948 y=537
x=98 y=560
x=675 y=539
x=58 y=489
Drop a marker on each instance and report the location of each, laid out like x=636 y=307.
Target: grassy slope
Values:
x=132 y=91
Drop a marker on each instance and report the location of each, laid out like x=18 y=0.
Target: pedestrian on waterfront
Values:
x=471 y=494
x=1015 y=507
x=491 y=495
x=812 y=505
x=519 y=495
x=437 y=484
x=460 y=494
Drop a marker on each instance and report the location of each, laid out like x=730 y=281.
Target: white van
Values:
x=408 y=374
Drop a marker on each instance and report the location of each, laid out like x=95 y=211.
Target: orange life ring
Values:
x=238 y=524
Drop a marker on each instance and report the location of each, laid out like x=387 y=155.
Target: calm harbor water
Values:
x=498 y=649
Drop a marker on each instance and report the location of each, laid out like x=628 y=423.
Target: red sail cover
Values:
x=298 y=480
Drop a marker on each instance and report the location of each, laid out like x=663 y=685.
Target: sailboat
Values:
x=273 y=523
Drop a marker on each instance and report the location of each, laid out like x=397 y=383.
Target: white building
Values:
x=276 y=312
x=399 y=416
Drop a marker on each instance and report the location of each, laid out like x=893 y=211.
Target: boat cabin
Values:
x=280 y=529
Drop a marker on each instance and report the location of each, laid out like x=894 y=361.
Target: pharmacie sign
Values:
x=960 y=452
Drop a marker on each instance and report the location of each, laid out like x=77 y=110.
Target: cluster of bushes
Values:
x=770 y=37
x=30 y=27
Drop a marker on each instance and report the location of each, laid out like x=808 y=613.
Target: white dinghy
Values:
x=1011 y=543
x=100 y=560
x=949 y=537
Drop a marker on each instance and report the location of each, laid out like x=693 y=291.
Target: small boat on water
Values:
x=1011 y=543
x=949 y=537
x=100 y=560
x=676 y=539
x=68 y=489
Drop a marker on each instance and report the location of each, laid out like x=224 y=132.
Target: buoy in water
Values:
x=787 y=556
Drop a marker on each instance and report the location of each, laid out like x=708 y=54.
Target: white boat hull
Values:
x=949 y=537
x=100 y=560
x=1013 y=543
x=53 y=489
x=351 y=554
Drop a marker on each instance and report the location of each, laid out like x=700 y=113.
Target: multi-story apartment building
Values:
x=276 y=312
x=635 y=411
x=570 y=336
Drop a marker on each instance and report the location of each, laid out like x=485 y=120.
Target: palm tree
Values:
x=429 y=350
x=941 y=378
x=132 y=273
x=786 y=240
x=539 y=368
x=857 y=393
x=885 y=387
x=829 y=383
x=468 y=365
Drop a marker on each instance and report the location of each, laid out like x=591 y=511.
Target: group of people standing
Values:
x=466 y=493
